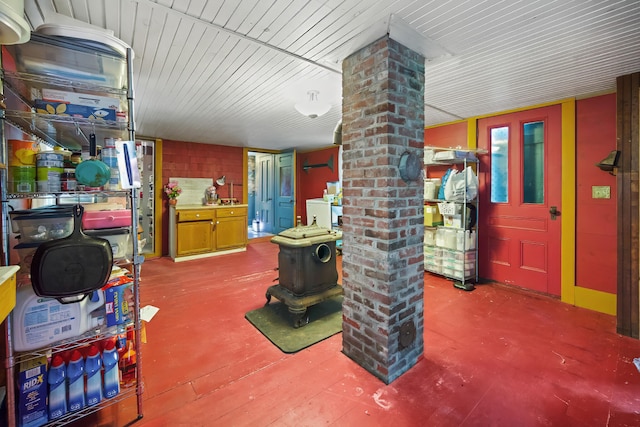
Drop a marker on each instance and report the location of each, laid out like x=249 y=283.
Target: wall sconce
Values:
x=610 y=163
x=306 y=166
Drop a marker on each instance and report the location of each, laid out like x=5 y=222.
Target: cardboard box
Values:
x=453 y=221
x=32 y=393
x=75 y=110
x=89 y=100
x=117 y=301
x=431 y=216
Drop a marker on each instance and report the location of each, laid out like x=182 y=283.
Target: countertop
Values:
x=187 y=207
x=7 y=272
x=7 y=290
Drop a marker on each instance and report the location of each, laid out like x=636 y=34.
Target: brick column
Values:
x=383 y=264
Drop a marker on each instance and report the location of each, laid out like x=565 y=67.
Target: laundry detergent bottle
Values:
x=111 y=371
x=40 y=321
x=57 y=379
x=93 y=369
x=75 y=381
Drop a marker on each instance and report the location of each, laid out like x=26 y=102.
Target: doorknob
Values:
x=554 y=212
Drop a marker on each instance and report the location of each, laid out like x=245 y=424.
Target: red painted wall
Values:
x=449 y=136
x=193 y=160
x=311 y=183
x=596 y=241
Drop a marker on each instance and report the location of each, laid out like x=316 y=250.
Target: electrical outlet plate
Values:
x=600 y=192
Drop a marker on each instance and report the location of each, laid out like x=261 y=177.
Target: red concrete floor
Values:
x=496 y=356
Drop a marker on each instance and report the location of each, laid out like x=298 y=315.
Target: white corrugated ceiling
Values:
x=230 y=71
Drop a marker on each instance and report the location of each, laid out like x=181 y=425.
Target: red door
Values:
x=521 y=181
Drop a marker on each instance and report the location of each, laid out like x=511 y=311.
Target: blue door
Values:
x=285 y=191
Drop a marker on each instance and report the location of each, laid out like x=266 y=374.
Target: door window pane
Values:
x=285 y=182
x=500 y=165
x=533 y=163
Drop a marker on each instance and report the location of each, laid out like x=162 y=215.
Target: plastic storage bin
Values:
x=90 y=63
x=43 y=226
x=119 y=238
x=16 y=216
x=429 y=237
x=95 y=220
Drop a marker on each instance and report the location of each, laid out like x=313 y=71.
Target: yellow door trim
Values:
x=602 y=302
x=591 y=299
x=472 y=133
x=568 y=213
x=158 y=203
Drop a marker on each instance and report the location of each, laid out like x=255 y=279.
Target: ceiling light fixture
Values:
x=313 y=107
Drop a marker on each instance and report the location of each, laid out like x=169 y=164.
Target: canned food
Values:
x=68 y=180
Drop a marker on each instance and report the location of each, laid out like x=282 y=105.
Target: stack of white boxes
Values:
x=450 y=252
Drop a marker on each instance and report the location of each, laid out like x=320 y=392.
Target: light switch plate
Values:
x=600 y=192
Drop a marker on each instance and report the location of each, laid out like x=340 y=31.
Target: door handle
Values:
x=554 y=212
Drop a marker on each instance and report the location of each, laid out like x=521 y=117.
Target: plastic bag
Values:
x=461 y=185
x=444 y=183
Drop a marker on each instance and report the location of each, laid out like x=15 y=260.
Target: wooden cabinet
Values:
x=194 y=231
x=231 y=227
x=205 y=231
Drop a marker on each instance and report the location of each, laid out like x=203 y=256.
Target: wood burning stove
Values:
x=307 y=269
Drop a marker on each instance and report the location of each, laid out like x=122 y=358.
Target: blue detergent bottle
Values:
x=75 y=381
x=111 y=371
x=57 y=388
x=93 y=369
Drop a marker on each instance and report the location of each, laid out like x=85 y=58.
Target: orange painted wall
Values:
x=596 y=242
x=194 y=160
x=312 y=182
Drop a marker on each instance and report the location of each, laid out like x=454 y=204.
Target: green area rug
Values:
x=275 y=322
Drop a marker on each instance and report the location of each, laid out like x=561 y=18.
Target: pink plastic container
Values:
x=95 y=220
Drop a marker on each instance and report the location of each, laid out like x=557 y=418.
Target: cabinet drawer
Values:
x=231 y=211
x=195 y=215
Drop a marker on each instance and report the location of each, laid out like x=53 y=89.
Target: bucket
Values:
x=22 y=179
x=50 y=159
x=22 y=153
x=48 y=170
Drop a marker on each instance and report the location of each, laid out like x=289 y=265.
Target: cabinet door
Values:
x=231 y=232
x=194 y=237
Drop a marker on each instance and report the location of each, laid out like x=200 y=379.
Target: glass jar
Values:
x=68 y=180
